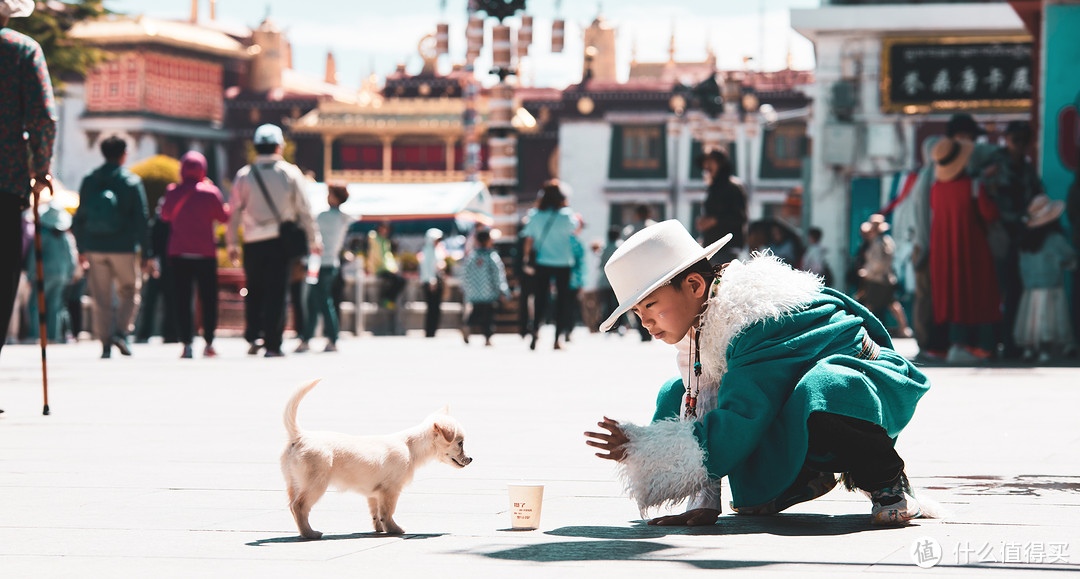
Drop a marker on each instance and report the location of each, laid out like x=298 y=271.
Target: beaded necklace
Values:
x=692 y=389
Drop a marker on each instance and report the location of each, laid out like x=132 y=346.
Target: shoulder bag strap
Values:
x=180 y=205
x=262 y=188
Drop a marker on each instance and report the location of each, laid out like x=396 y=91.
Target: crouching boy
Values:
x=784 y=383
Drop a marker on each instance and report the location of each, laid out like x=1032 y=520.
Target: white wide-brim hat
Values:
x=649 y=259
x=16 y=8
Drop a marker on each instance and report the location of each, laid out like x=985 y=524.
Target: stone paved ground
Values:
x=152 y=466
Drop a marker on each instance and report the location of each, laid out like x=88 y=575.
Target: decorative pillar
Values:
x=387 y=155
x=328 y=155
x=219 y=153
x=449 y=153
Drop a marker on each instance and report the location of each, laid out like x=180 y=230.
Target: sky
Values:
x=374 y=36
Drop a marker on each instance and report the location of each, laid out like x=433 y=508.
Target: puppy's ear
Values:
x=447 y=433
x=444 y=410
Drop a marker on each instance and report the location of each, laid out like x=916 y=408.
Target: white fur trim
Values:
x=763 y=288
x=664 y=464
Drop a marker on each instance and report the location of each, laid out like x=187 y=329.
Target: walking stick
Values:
x=41 y=291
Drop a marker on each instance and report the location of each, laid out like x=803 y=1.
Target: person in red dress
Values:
x=964 y=283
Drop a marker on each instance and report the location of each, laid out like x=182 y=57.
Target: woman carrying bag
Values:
x=550 y=257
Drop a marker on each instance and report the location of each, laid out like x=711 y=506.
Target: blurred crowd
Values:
x=971 y=259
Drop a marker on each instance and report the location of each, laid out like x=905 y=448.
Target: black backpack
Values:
x=101 y=208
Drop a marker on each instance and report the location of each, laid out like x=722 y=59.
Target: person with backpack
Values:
x=109 y=226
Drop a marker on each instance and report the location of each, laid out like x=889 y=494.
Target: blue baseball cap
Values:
x=269 y=134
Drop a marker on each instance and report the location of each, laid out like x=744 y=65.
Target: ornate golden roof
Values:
x=140 y=30
x=386 y=116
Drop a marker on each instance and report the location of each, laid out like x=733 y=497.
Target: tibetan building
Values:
x=412 y=131
x=160 y=87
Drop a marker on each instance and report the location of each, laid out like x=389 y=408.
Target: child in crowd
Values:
x=1042 y=320
x=60 y=265
x=783 y=383
x=813 y=260
x=483 y=280
x=333 y=224
x=877 y=279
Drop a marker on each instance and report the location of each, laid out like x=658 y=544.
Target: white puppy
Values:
x=377 y=467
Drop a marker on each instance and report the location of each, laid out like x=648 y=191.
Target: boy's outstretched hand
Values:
x=692 y=518
x=614 y=444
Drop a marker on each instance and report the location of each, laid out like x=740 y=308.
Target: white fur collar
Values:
x=763 y=288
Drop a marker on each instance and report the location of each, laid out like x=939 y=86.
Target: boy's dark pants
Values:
x=856 y=447
x=483 y=317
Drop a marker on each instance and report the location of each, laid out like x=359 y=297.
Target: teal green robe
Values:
x=781 y=370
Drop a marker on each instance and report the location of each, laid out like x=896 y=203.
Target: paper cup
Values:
x=525 y=502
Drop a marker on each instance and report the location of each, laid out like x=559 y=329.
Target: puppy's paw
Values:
x=393 y=529
x=312 y=535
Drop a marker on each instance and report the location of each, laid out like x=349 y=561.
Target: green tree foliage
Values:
x=49 y=26
x=157 y=173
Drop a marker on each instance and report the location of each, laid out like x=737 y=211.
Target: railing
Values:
x=403 y=176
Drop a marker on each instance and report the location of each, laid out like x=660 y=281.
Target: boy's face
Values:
x=669 y=312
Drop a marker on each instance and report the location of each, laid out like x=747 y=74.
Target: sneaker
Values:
x=303 y=347
x=961 y=356
x=273 y=354
x=931 y=356
x=187 y=351
x=809 y=485
x=209 y=352
x=894 y=505
x=331 y=347
x=253 y=349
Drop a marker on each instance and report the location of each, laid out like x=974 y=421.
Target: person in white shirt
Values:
x=333 y=225
x=266 y=193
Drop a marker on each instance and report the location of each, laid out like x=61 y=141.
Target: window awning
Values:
x=462 y=201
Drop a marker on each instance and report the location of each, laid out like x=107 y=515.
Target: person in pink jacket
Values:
x=191 y=208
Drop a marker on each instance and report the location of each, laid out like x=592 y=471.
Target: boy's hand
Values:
x=614 y=444
x=692 y=518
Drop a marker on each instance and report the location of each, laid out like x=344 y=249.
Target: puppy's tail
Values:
x=291 y=425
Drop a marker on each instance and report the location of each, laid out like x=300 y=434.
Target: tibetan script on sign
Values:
x=921 y=75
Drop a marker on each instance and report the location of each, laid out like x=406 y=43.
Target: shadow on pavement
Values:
x=580 y=551
x=620 y=550
x=1036 y=485
x=788 y=525
x=627 y=543
x=299 y=539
